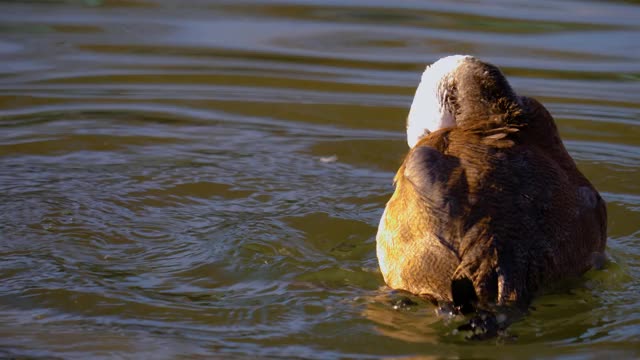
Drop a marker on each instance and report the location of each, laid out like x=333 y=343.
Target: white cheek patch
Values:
x=427 y=112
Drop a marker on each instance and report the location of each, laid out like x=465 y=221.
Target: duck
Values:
x=489 y=207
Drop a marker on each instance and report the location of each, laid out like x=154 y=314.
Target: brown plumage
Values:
x=492 y=208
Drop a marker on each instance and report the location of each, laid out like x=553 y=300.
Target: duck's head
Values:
x=458 y=90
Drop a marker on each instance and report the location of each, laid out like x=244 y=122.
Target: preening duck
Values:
x=488 y=205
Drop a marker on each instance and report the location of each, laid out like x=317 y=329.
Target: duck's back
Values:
x=489 y=214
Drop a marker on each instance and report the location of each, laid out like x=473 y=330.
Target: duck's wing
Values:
x=465 y=197
x=446 y=179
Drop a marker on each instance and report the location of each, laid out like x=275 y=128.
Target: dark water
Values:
x=204 y=179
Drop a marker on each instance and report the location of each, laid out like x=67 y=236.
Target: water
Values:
x=204 y=179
